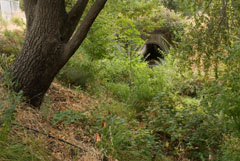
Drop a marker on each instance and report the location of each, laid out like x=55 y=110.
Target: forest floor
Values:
x=63 y=142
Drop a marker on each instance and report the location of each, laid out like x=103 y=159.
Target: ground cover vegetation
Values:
x=108 y=98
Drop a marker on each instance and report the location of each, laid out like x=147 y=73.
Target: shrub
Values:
x=222 y=95
x=231 y=149
x=133 y=82
x=120 y=137
x=188 y=131
x=78 y=71
x=121 y=91
x=10 y=44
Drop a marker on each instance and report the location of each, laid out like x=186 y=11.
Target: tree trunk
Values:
x=47 y=45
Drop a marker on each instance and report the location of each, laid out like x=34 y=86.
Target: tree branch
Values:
x=82 y=31
x=29 y=8
x=74 y=17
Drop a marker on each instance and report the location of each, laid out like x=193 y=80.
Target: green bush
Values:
x=185 y=127
x=133 y=82
x=114 y=70
x=78 y=72
x=222 y=95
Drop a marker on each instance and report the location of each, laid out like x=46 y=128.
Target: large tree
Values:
x=52 y=37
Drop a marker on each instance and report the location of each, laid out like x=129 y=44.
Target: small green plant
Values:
x=231 y=149
x=8 y=106
x=122 y=140
x=68 y=117
x=16 y=149
x=18 y=21
x=45 y=110
x=7 y=114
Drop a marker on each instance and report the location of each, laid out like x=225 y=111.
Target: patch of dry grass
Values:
x=62 y=142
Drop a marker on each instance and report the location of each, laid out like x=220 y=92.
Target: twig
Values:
x=207 y=6
x=50 y=136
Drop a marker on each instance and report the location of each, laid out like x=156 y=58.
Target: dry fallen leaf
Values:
x=104 y=123
x=98 y=138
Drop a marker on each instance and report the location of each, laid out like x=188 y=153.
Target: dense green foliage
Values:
x=185 y=108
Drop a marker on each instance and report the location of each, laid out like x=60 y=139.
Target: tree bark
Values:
x=45 y=50
x=29 y=8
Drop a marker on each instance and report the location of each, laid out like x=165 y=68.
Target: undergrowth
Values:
x=167 y=112
x=13 y=146
x=152 y=113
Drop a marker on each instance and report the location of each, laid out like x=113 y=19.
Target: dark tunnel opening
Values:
x=153 y=53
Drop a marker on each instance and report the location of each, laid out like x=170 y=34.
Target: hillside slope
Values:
x=64 y=142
